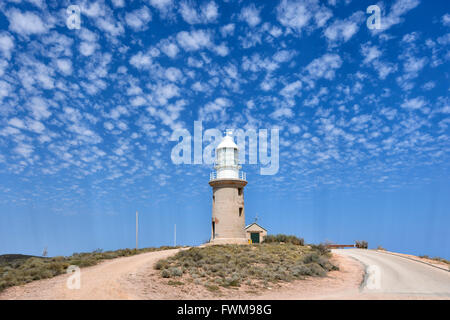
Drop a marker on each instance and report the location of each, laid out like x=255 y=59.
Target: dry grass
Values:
x=231 y=266
x=21 y=269
x=439 y=259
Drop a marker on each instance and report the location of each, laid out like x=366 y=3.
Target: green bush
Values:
x=282 y=238
x=362 y=244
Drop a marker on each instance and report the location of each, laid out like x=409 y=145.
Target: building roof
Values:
x=253 y=224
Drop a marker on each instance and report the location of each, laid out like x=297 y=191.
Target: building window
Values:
x=240 y=191
x=214 y=198
x=240 y=211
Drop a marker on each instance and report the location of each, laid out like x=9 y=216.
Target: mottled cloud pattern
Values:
x=88 y=113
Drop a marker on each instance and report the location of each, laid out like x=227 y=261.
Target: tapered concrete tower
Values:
x=228 y=214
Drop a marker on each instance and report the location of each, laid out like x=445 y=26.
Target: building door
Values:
x=255 y=237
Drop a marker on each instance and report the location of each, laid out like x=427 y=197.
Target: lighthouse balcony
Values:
x=240 y=175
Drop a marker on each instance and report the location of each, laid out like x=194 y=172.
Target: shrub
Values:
x=321 y=248
x=232 y=265
x=282 y=238
x=361 y=244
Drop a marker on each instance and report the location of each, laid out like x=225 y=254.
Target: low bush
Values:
x=321 y=248
x=234 y=265
x=282 y=238
x=361 y=244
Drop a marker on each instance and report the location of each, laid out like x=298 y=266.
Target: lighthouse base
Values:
x=229 y=241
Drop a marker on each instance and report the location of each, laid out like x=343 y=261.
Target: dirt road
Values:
x=108 y=280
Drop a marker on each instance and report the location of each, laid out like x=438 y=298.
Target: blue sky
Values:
x=86 y=116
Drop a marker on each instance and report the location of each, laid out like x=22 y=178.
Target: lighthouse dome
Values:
x=227 y=142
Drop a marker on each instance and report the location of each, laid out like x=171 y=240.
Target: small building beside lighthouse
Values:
x=228 y=182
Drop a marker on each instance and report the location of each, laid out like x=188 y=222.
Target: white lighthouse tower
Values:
x=228 y=182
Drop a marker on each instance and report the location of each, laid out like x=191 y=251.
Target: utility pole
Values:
x=137 y=228
x=175 y=236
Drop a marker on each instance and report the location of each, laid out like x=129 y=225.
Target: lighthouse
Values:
x=228 y=182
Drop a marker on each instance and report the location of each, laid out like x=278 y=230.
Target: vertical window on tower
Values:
x=240 y=211
x=239 y=191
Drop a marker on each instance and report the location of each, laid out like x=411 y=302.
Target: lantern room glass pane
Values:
x=229 y=156
x=221 y=157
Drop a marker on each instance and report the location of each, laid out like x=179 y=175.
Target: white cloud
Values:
x=108 y=125
x=291 y=89
x=138 y=101
x=215 y=110
x=87 y=48
x=108 y=24
x=384 y=68
x=6 y=45
x=282 y=112
x=398 y=9
x=250 y=14
x=92 y=9
x=414 y=104
x=118 y=3
x=16 y=122
x=370 y=52
x=297 y=14
x=141 y=60
x=23 y=149
x=413 y=64
x=207 y=13
x=138 y=19
x=284 y=55
x=162 y=93
x=173 y=74
x=64 y=65
x=35 y=126
x=344 y=30
x=194 y=40
x=39 y=108
x=25 y=23
x=169 y=48
x=210 y=11
x=164 y=6
x=227 y=30
x=429 y=85
x=446 y=20
x=222 y=50
x=325 y=66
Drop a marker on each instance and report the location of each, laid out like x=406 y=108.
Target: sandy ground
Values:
x=134 y=278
